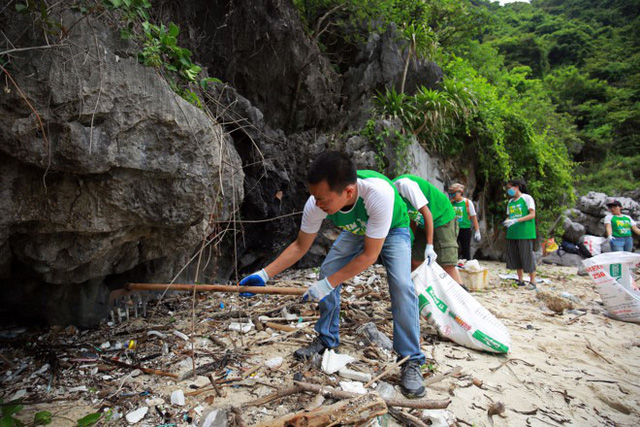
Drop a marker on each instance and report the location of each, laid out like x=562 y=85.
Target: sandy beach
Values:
x=575 y=368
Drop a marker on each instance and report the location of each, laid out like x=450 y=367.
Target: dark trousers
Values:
x=464 y=243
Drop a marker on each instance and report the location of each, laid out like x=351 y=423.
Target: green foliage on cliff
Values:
x=538 y=91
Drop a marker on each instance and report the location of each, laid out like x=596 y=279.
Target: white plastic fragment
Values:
x=18 y=395
x=353 y=387
x=135 y=416
x=105 y=345
x=385 y=390
x=79 y=388
x=241 y=327
x=177 y=398
x=274 y=363
x=439 y=417
x=332 y=362
x=181 y=335
x=216 y=418
x=354 y=375
x=156 y=334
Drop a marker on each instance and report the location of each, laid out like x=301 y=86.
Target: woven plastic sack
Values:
x=456 y=314
x=593 y=244
x=612 y=274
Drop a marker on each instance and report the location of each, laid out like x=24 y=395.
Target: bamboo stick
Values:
x=215 y=288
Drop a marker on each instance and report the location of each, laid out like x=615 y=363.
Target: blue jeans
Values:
x=619 y=244
x=396 y=257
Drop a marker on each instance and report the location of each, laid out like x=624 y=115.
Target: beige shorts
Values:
x=445 y=243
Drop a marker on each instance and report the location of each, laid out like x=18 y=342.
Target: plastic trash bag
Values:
x=616 y=284
x=456 y=314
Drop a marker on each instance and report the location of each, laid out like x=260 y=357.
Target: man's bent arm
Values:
x=369 y=255
x=291 y=254
x=428 y=223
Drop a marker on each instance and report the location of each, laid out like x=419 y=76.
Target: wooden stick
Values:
x=403 y=403
x=406 y=419
x=357 y=410
x=214 y=288
x=279 y=327
x=143 y=369
x=386 y=371
x=439 y=377
x=274 y=396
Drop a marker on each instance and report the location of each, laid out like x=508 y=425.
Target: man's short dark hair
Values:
x=334 y=167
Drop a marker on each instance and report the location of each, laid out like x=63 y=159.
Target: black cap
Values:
x=611 y=202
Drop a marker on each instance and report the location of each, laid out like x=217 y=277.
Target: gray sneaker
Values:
x=307 y=352
x=411 y=382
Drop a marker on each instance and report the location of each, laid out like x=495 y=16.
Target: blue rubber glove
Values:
x=508 y=223
x=259 y=278
x=429 y=254
x=318 y=291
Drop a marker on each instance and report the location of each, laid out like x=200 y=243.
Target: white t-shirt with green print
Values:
x=620 y=224
x=378 y=209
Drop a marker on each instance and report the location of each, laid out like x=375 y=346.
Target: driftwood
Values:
x=404 y=403
x=356 y=410
x=142 y=368
x=386 y=371
x=273 y=290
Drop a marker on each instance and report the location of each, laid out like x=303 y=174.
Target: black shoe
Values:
x=520 y=283
x=411 y=382
x=305 y=353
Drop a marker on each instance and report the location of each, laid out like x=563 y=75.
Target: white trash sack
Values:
x=456 y=314
x=593 y=243
x=615 y=283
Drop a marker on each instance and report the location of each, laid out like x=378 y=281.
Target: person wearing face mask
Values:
x=521 y=232
x=619 y=228
x=466 y=216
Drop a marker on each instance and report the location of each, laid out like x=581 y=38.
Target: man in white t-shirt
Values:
x=374 y=220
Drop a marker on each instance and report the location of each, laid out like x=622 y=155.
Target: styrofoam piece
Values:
x=241 y=327
x=177 y=398
x=385 y=390
x=354 y=375
x=137 y=415
x=332 y=362
x=472 y=265
x=274 y=363
x=353 y=387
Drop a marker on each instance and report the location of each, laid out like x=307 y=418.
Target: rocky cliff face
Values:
x=107 y=174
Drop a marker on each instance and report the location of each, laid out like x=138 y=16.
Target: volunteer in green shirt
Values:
x=374 y=220
x=619 y=228
x=433 y=222
x=465 y=215
x=521 y=232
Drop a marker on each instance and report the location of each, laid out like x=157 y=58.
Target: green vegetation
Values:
x=160 y=48
x=8 y=419
x=586 y=53
x=499 y=121
x=547 y=91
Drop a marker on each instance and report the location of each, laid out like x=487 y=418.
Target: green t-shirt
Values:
x=518 y=209
x=438 y=202
x=621 y=225
x=356 y=219
x=462 y=215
